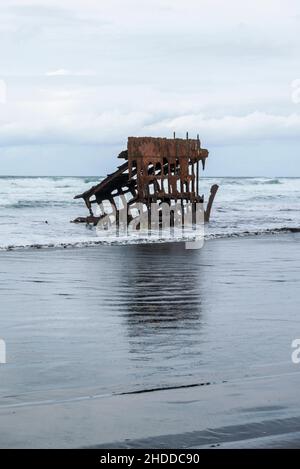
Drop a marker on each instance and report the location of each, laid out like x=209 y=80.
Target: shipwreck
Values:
x=156 y=170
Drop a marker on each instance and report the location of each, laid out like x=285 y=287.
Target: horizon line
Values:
x=100 y=176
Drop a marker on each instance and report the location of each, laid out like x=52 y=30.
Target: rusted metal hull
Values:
x=157 y=170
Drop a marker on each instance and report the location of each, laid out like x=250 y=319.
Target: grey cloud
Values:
x=90 y=73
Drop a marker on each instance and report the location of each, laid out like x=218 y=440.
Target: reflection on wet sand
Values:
x=162 y=308
x=208 y=332
x=162 y=296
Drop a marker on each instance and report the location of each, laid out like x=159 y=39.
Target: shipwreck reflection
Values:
x=163 y=302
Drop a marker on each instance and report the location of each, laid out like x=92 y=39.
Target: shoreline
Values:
x=149 y=241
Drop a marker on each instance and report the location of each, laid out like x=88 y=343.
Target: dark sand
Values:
x=143 y=346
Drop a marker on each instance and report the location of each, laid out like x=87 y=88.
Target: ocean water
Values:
x=36 y=211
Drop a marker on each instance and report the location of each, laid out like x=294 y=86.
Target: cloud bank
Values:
x=86 y=73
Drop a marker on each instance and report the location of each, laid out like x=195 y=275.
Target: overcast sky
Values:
x=79 y=76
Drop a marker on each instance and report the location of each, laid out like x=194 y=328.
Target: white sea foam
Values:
x=36 y=212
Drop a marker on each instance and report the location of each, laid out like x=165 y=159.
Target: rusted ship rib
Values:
x=156 y=170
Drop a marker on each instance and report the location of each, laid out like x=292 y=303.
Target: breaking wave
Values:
x=147 y=240
x=35 y=212
x=273 y=181
x=248 y=181
x=21 y=204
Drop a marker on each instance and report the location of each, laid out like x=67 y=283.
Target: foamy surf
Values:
x=114 y=240
x=35 y=212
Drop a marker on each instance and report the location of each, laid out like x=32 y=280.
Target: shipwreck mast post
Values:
x=197 y=166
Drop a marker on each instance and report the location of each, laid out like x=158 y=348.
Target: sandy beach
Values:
x=151 y=345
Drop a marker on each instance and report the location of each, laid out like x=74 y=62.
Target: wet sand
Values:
x=151 y=346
